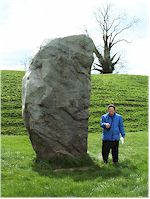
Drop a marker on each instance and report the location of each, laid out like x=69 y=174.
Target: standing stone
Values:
x=56 y=94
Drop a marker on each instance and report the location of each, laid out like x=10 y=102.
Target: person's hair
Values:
x=112 y=105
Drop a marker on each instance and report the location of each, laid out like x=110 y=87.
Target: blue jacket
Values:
x=117 y=127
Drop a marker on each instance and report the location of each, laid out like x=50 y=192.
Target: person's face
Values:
x=111 y=110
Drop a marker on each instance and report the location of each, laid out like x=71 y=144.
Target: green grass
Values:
x=11 y=86
x=23 y=177
x=128 y=92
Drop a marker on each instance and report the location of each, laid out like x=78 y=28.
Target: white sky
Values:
x=24 y=24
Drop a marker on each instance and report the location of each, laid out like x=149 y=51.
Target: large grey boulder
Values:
x=56 y=96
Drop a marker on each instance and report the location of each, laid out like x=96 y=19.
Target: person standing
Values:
x=112 y=127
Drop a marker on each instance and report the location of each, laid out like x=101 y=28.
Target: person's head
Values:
x=111 y=109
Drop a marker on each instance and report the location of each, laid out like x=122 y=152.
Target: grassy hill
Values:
x=128 y=92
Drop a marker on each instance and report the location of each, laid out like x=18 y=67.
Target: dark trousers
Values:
x=106 y=146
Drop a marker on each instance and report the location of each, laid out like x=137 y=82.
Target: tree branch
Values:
x=113 y=57
x=120 y=40
x=100 y=70
x=119 y=32
x=98 y=65
x=113 y=64
x=112 y=23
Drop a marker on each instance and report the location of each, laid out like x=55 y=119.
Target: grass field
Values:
x=22 y=177
x=128 y=92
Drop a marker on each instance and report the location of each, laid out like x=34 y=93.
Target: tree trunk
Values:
x=107 y=67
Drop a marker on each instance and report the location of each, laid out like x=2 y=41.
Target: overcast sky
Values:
x=25 y=24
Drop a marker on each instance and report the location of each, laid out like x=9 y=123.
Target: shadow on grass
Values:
x=83 y=169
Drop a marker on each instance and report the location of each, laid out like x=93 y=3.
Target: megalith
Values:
x=56 y=97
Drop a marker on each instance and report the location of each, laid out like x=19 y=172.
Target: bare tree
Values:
x=111 y=27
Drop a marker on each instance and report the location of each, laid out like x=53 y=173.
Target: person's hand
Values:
x=107 y=125
x=122 y=140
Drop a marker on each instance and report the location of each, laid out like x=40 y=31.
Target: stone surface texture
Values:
x=56 y=97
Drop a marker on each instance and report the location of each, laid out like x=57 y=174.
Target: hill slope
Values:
x=128 y=92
